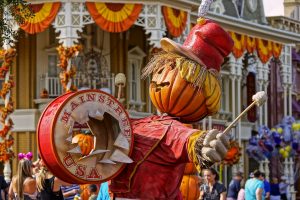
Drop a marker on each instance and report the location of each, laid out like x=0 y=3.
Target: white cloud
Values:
x=273 y=7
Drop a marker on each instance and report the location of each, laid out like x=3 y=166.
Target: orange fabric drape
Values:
x=239 y=44
x=114 y=17
x=264 y=49
x=250 y=44
x=276 y=49
x=43 y=16
x=175 y=20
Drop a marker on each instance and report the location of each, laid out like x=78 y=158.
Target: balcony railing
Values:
x=284 y=23
x=54 y=87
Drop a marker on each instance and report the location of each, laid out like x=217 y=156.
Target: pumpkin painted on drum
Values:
x=85 y=142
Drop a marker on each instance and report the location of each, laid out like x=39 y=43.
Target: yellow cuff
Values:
x=191 y=148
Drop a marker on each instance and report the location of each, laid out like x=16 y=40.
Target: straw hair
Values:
x=189 y=70
x=24 y=171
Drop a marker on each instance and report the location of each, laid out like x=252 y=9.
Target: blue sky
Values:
x=273 y=7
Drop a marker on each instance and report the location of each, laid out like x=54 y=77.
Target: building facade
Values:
x=260 y=60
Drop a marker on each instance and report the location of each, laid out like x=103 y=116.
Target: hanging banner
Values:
x=114 y=17
x=264 y=50
x=277 y=50
x=43 y=15
x=175 y=20
x=239 y=44
x=250 y=44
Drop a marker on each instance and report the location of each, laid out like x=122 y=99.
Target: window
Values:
x=52 y=65
x=135 y=61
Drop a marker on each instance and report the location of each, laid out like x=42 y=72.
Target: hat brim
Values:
x=173 y=47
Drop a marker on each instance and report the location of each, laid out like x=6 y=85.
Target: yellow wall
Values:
x=24 y=73
x=120 y=43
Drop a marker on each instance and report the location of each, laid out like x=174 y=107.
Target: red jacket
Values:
x=159 y=155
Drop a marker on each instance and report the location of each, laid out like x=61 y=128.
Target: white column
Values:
x=239 y=67
x=266 y=104
x=290 y=100
x=285 y=99
x=267 y=171
x=232 y=75
x=292 y=181
x=261 y=166
x=227 y=90
x=260 y=82
x=209 y=122
x=286 y=167
x=153 y=23
x=266 y=72
x=204 y=124
x=286 y=76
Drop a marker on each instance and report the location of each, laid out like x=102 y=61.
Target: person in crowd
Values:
x=48 y=185
x=241 y=194
x=3 y=188
x=23 y=185
x=104 y=192
x=266 y=187
x=283 y=186
x=274 y=189
x=36 y=165
x=254 y=187
x=70 y=191
x=212 y=189
x=92 y=192
x=234 y=186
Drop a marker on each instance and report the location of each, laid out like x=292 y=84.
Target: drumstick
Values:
x=258 y=99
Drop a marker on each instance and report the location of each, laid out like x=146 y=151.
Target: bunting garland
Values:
x=6 y=141
x=250 y=44
x=114 y=17
x=277 y=49
x=239 y=44
x=68 y=71
x=43 y=15
x=175 y=20
x=265 y=49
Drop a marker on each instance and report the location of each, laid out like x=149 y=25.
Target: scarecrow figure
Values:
x=185 y=89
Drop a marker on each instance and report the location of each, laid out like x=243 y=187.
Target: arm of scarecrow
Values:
x=207 y=147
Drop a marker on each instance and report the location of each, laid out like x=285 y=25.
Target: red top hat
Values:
x=207 y=44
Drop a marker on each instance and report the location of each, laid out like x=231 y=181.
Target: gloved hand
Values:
x=215 y=146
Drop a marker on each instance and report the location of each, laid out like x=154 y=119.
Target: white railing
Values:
x=54 y=87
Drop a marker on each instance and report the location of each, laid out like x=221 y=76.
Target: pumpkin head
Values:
x=85 y=142
x=185 y=78
x=182 y=88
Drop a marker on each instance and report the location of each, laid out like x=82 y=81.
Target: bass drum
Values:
x=85 y=137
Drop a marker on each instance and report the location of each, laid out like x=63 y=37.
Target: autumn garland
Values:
x=68 y=70
x=6 y=141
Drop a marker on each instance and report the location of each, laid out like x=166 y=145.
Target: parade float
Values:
x=88 y=137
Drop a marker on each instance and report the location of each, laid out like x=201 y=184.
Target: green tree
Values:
x=13 y=8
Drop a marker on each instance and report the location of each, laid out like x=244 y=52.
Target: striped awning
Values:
x=43 y=15
x=265 y=49
x=114 y=17
x=175 y=20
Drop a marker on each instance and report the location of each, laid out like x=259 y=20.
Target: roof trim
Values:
x=253 y=29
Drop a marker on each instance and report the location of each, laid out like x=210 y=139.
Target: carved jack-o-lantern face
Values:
x=172 y=94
